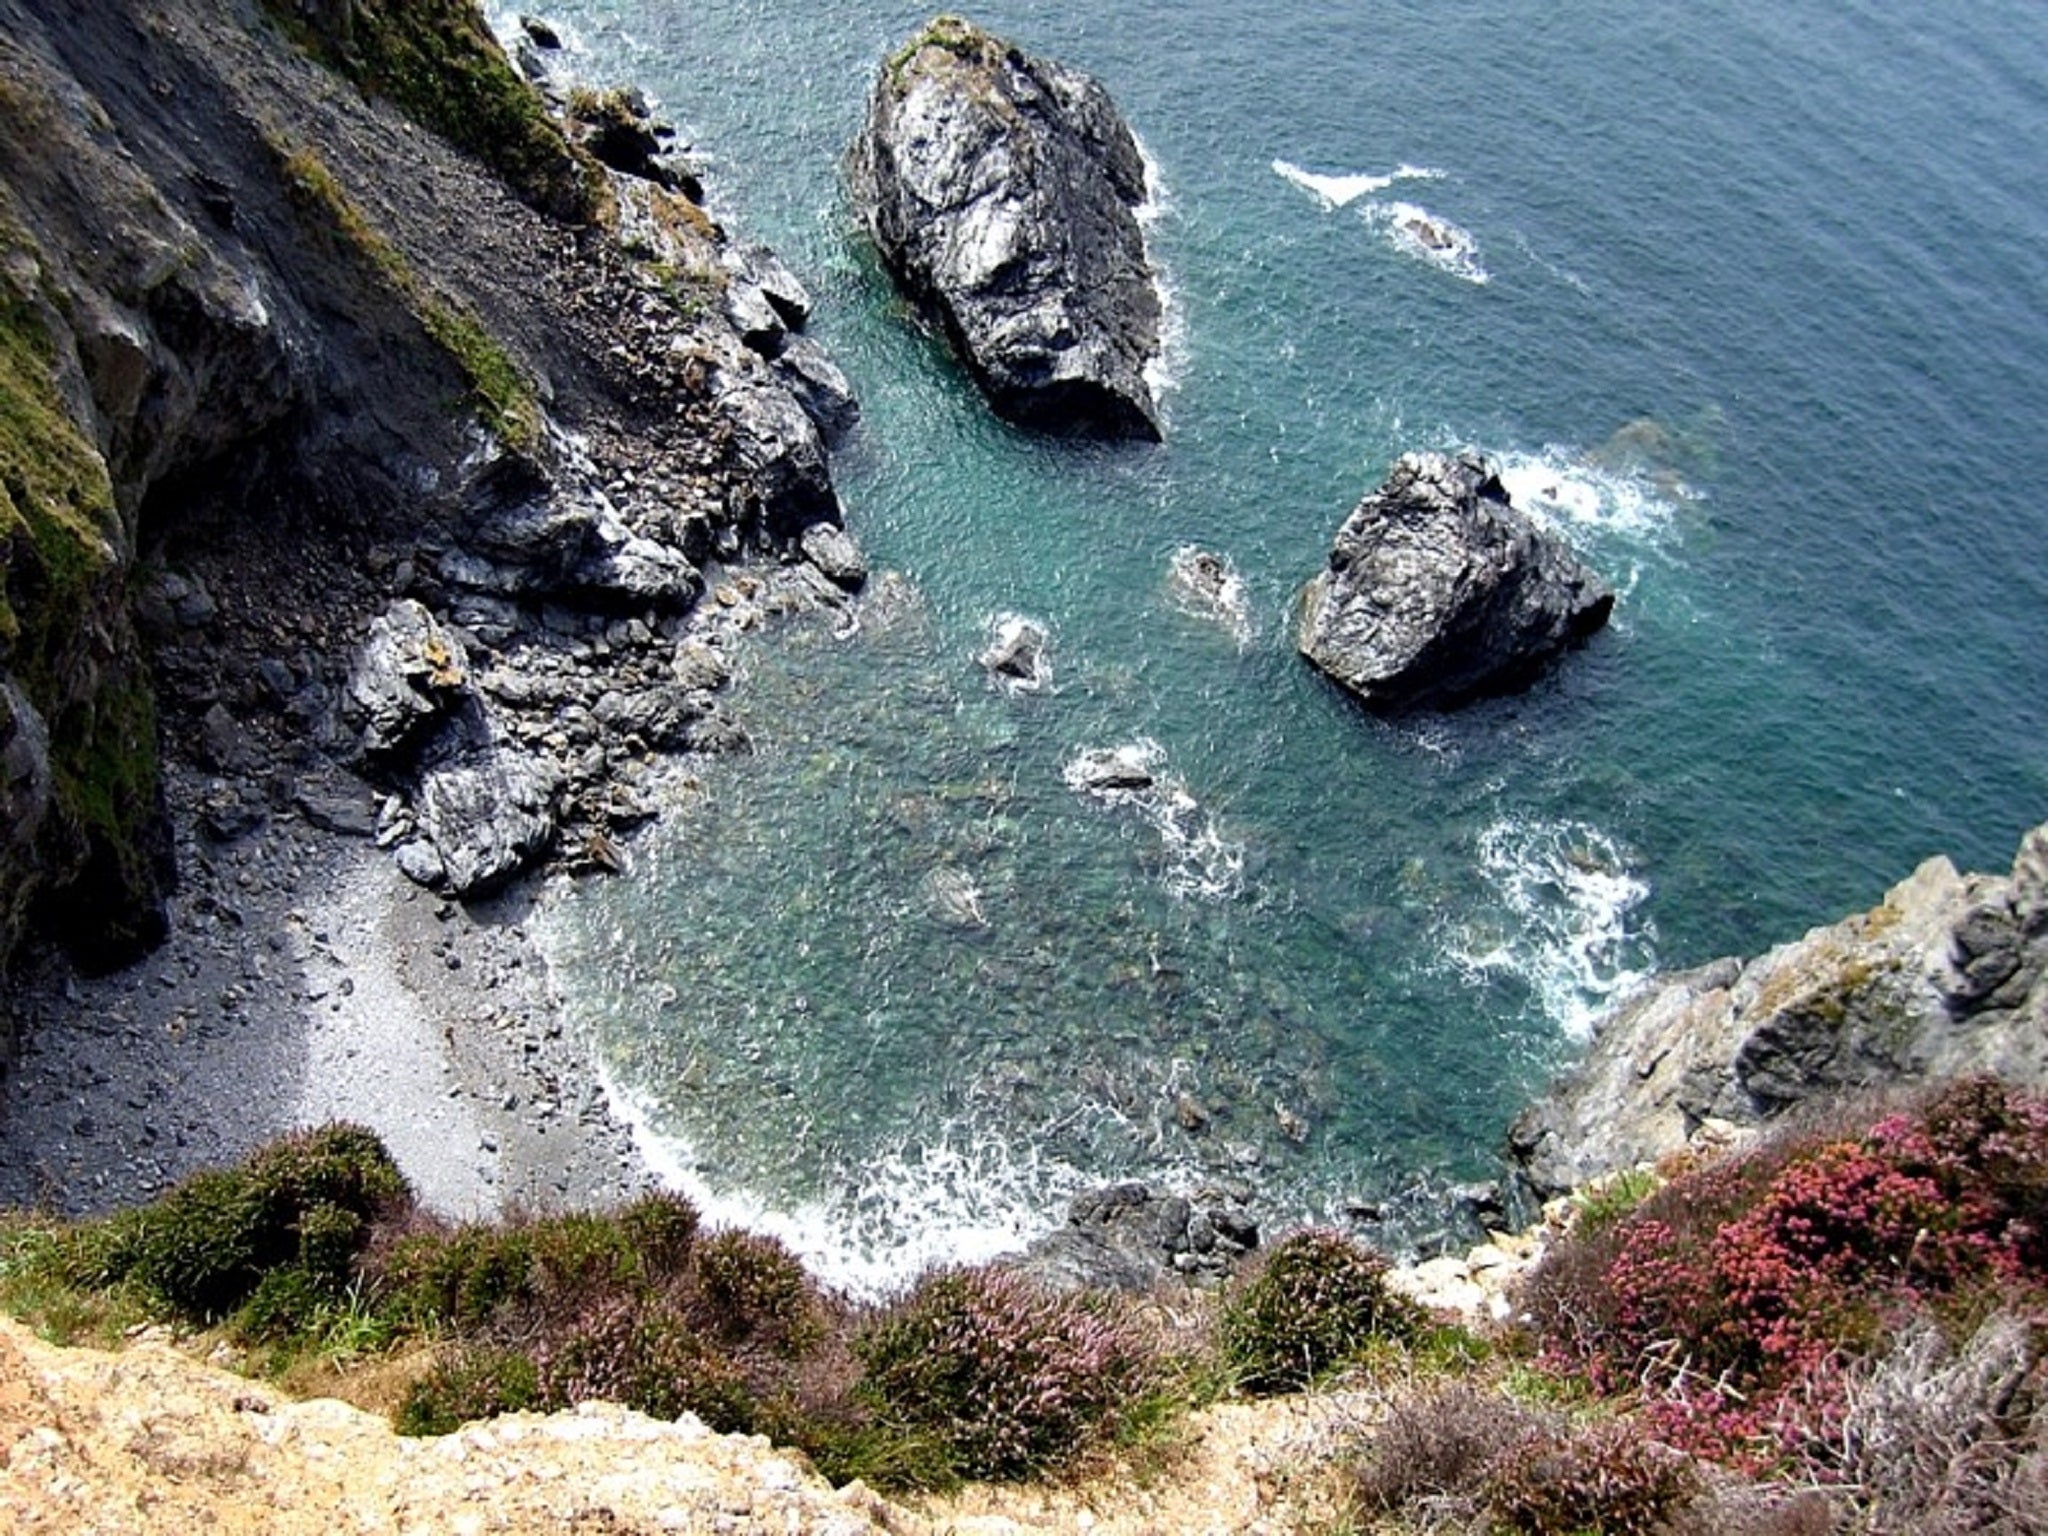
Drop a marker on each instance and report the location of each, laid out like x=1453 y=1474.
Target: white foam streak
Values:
x=1567 y=493
x=1164 y=373
x=1341 y=190
x=960 y=1198
x=1565 y=921
x=1208 y=586
x=1414 y=231
x=1201 y=860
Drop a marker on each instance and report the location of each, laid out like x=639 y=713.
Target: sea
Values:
x=1749 y=301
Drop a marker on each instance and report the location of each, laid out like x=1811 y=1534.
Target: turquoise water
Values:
x=1754 y=308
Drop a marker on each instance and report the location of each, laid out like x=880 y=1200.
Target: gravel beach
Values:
x=307 y=980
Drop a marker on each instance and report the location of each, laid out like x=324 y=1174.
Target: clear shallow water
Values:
x=1752 y=302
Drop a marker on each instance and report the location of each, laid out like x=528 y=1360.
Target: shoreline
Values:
x=307 y=980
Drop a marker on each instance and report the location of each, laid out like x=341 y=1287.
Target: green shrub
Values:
x=1317 y=1301
x=477 y=1384
x=1605 y=1478
x=1008 y=1379
x=286 y=1304
x=661 y=1227
x=460 y=1279
x=1603 y=1204
x=755 y=1288
x=305 y=1202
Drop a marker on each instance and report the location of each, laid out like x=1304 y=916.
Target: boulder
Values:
x=1002 y=191
x=1130 y=1237
x=1017 y=656
x=832 y=550
x=1943 y=979
x=808 y=372
x=407 y=676
x=481 y=820
x=1439 y=591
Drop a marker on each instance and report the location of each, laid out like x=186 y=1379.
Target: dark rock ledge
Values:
x=392 y=495
x=1002 y=191
x=1438 y=591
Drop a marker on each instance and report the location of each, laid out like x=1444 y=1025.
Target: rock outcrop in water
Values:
x=1439 y=591
x=1948 y=976
x=1002 y=191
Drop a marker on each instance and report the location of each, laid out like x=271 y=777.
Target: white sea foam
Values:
x=1563 y=919
x=1340 y=190
x=1208 y=586
x=1415 y=231
x=1562 y=489
x=1164 y=373
x=1018 y=656
x=1201 y=860
x=961 y=1197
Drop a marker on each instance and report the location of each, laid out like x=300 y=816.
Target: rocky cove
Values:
x=402 y=657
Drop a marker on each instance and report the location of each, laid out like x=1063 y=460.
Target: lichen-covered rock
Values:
x=1944 y=978
x=1438 y=591
x=1002 y=191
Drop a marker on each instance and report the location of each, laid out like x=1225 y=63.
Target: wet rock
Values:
x=1438 y=591
x=763 y=299
x=778 y=446
x=1002 y=191
x=1017 y=656
x=832 y=550
x=1102 y=770
x=1131 y=1236
x=819 y=387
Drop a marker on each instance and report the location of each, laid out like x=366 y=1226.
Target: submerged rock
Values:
x=1439 y=591
x=1017 y=656
x=1943 y=979
x=1002 y=191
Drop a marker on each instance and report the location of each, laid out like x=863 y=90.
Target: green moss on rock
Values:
x=502 y=393
x=437 y=61
x=65 y=636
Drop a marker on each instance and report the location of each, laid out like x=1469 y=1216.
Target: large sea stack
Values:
x=1439 y=591
x=1002 y=191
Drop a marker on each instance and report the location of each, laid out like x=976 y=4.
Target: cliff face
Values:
x=1946 y=977
x=305 y=309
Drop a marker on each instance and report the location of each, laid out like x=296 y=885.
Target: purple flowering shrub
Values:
x=1736 y=1300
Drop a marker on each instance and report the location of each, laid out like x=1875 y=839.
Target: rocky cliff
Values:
x=1002 y=191
x=1947 y=976
x=307 y=311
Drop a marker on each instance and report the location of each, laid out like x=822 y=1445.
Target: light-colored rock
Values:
x=1438 y=590
x=1944 y=978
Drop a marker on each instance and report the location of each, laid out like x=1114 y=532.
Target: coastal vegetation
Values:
x=437 y=61
x=1837 y=1330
